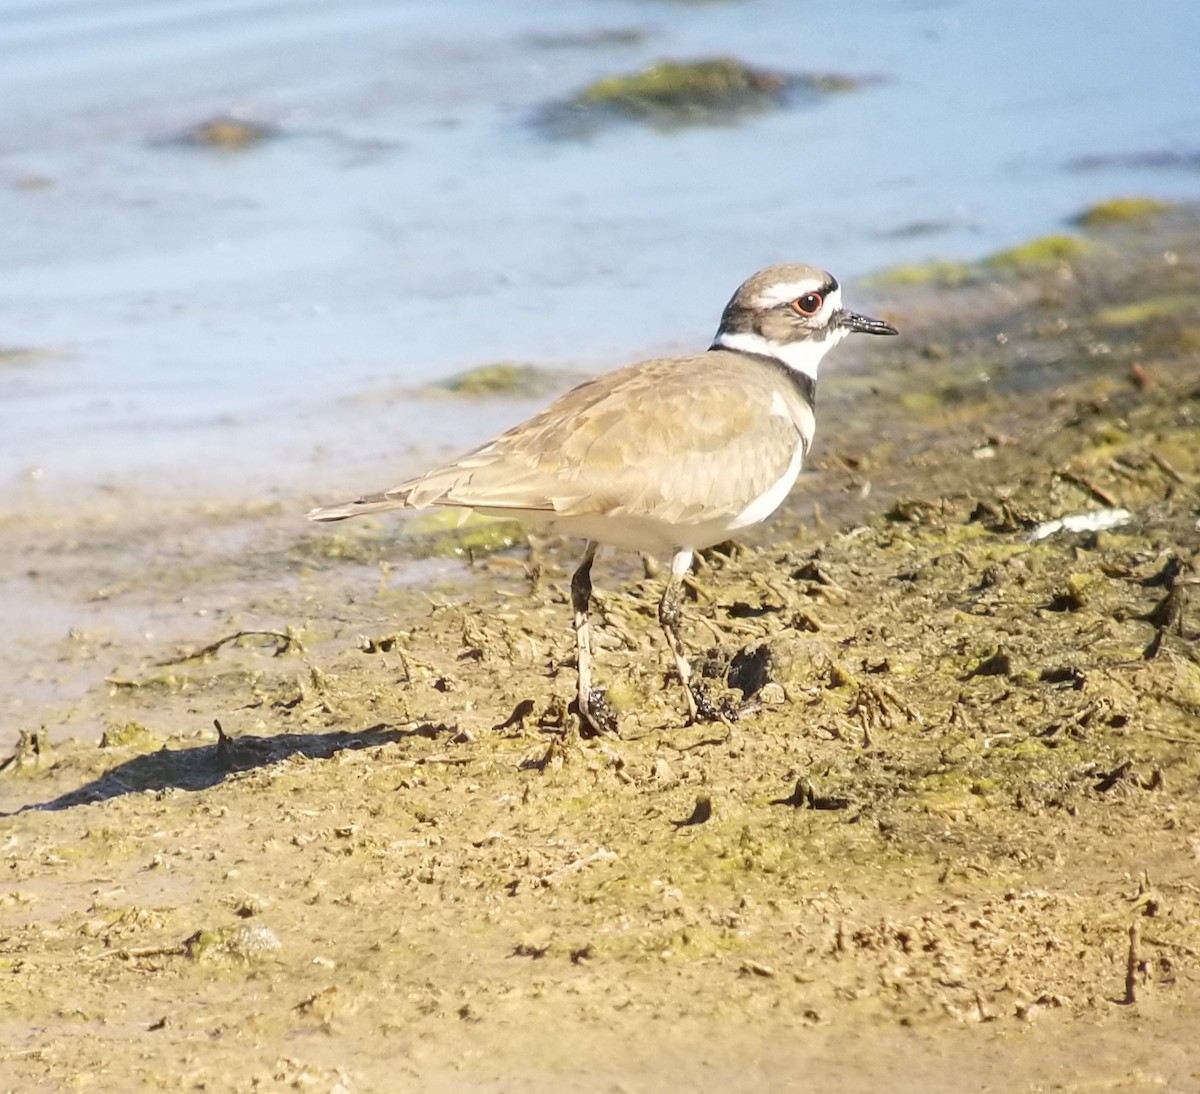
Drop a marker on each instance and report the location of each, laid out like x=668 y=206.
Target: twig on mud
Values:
x=306 y=1006
x=1102 y=496
x=1170 y=737
x=1167 y=615
x=873 y=705
x=1132 y=964
x=284 y=642
x=1162 y=943
x=1161 y=463
x=599 y=855
x=749 y=967
x=135 y=953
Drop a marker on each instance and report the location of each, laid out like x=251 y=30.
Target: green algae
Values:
x=26 y=355
x=941 y=273
x=679 y=93
x=33 y=754
x=1123 y=210
x=131 y=735
x=501 y=378
x=241 y=944
x=431 y=533
x=1147 y=311
x=1035 y=256
x=1045 y=252
x=450 y=533
x=947 y=793
x=226 y=133
x=684 y=87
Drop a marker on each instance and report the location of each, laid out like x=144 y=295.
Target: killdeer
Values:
x=665 y=457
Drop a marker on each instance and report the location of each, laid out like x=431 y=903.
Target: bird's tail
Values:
x=370 y=503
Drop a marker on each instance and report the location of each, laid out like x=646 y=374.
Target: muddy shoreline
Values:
x=954 y=827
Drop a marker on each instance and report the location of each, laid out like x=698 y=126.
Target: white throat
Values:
x=803 y=357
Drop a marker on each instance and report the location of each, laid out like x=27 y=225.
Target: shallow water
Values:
x=221 y=320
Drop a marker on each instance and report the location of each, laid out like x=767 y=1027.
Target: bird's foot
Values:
x=599 y=720
x=703 y=708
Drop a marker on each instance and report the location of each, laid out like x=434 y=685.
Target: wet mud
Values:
x=332 y=826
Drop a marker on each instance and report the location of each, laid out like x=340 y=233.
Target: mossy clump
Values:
x=1125 y=210
x=228 y=134
x=942 y=273
x=501 y=378
x=244 y=944
x=1074 y=594
x=23 y=355
x=32 y=754
x=686 y=87
x=1146 y=311
x=677 y=93
x=132 y=735
x=1042 y=253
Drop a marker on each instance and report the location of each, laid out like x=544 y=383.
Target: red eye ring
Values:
x=807 y=305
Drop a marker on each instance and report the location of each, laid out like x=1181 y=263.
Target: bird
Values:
x=666 y=457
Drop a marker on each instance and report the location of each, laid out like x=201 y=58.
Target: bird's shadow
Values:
x=209 y=765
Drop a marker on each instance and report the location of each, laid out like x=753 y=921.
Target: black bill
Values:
x=862 y=324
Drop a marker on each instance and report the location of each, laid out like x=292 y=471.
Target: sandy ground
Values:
x=952 y=842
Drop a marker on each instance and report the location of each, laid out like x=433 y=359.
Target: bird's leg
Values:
x=581 y=597
x=701 y=708
x=594 y=712
x=668 y=618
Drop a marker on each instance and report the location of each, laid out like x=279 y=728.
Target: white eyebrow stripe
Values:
x=788 y=290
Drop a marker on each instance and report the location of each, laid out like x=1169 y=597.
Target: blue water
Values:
x=231 y=317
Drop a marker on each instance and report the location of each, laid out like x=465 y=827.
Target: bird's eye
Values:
x=808 y=304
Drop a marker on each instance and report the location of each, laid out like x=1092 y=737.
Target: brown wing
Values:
x=666 y=438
